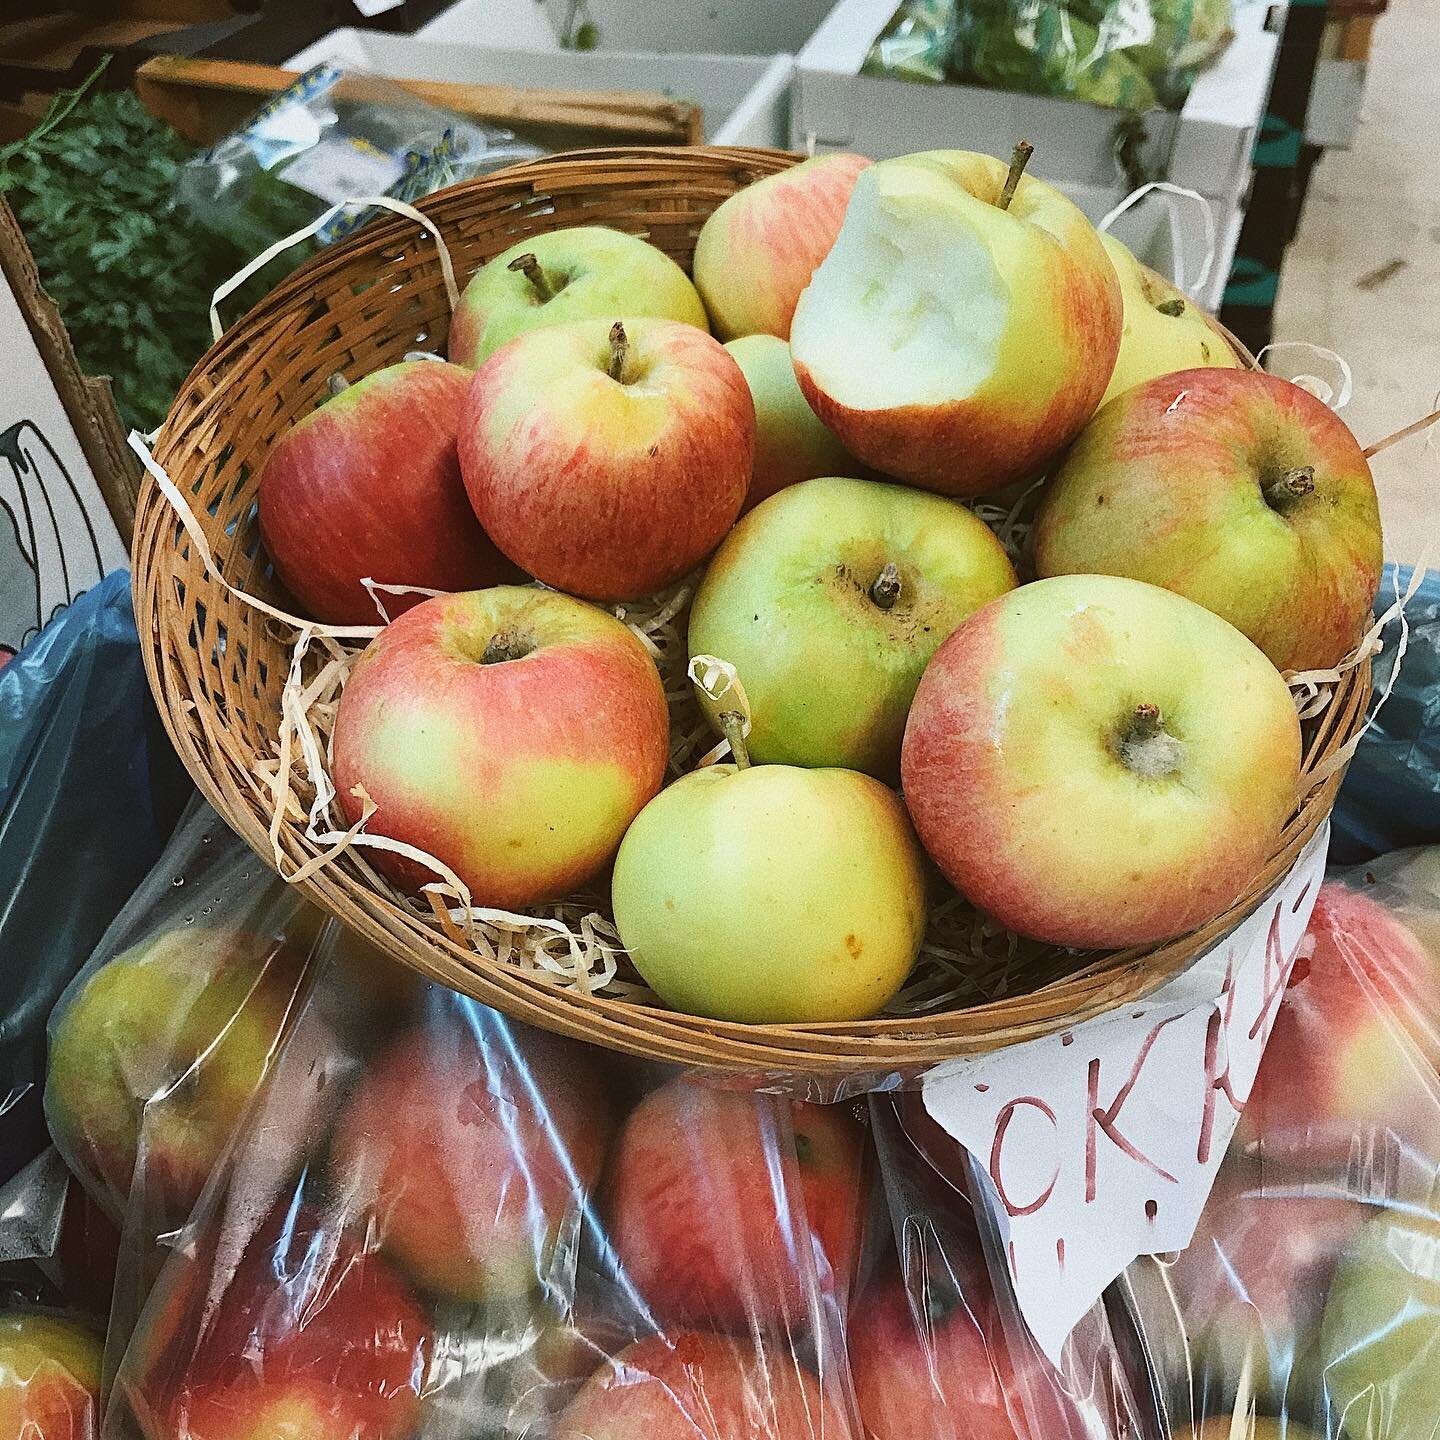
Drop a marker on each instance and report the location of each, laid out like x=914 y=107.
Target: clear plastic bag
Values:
x=49 y=1376
x=1308 y=1302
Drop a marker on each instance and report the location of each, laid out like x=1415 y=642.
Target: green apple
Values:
x=790 y=442
x=829 y=599
x=585 y=272
x=1164 y=331
x=771 y=894
x=1381 y=1337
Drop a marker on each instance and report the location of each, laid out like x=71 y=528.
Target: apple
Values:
x=1381 y=1336
x=1164 y=330
x=295 y=1331
x=492 y=1164
x=771 y=894
x=583 y=272
x=697 y=1386
x=609 y=460
x=725 y=1215
x=1348 y=1073
x=1251 y=1427
x=49 y=1377
x=962 y=329
x=758 y=250
x=829 y=599
x=1098 y=762
x=511 y=733
x=1236 y=489
x=790 y=442
x=159 y=1053
x=368 y=487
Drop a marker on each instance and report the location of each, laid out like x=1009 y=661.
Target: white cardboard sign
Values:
x=1101 y=1143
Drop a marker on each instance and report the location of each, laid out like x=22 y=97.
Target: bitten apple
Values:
x=49 y=1377
x=1164 y=330
x=758 y=250
x=1236 y=489
x=511 y=733
x=790 y=442
x=609 y=459
x=1097 y=762
x=582 y=272
x=963 y=328
x=472 y=1190
x=732 y=1210
x=829 y=600
x=368 y=487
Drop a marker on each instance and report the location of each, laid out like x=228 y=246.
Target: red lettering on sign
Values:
x=1002 y=1125
x=1098 y=1119
x=1277 y=974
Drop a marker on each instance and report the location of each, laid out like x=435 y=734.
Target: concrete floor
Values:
x=1369 y=207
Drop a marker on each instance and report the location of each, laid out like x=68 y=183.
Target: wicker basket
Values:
x=217 y=666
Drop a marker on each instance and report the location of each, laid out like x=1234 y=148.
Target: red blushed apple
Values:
x=49 y=1378
x=1349 y=1069
x=608 y=460
x=719 y=1221
x=757 y=252
x=498 y=1150
x=511 y=733
x=1236 y=489
x=368 y=486
x=702 y=1387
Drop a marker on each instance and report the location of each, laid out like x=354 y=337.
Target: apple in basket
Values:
x=1098 y=762
x=49 y=1377
x=790 y=442
x=609 y=459
x=964 y=326
x=698 y=1386
x=512 y=733
x=829 y=599
x=585 y=272
x=1236 y=489
x=758 y=250
x=1164 y=330
x=771 y=893
x=472 y=1193
x=368 y=486
x=732 y=1210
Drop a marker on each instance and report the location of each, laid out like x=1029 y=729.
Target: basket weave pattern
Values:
x=217 y=666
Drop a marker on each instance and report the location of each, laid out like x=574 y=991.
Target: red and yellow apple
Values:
x=829 y=600
x=730 y=1210
x=1098 y=762
x=511 y=733
x=959 y=333
x=581 y=272
x=698 y=1386
x=757 y=251
x=368 y=487
x=790 y=442
x=474 y=1156
x=609 y=460
x=49 y=1377
x=1236 y=489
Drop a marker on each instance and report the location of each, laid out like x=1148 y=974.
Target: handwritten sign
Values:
x=1101 y=1143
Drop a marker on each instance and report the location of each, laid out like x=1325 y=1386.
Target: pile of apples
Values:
x=1102 y=757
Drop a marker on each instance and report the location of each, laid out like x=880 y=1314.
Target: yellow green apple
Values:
x=1096 y=762
x=583 y=272
x=790 y=442
x=1164 y=330
x=964 y=326
x=49 y=1377
x=758 y=250
x=829 y=599
x=771 y=893
x=1250 y=1426
x=1238 y=490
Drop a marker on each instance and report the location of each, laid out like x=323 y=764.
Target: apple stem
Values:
x=1018 y=161
x=619 y=350
x=337 y=384
x=886 y=589
x=529 y=267
x=505 y=645
x=1174 y=308
x=732 y=726
x=1292 y=485
x=1146 y=723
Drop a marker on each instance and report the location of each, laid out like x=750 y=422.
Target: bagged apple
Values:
x=49 y=1376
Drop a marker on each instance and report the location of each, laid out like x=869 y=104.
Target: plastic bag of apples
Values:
x=1308 y=1303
